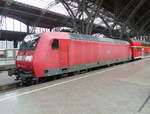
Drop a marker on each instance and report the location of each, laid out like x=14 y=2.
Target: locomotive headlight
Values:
x=19 y=58
x=28 y=58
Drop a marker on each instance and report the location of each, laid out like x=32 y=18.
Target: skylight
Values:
x=44 y=4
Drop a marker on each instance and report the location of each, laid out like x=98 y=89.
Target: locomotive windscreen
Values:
x=30 y=42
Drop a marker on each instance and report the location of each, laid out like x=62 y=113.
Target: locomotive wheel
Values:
x=64 y=75
x=83 y=71
x=29 y=81
x=76 y=72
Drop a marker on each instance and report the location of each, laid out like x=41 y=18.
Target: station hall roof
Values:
x=33 y=16
x=134 y=12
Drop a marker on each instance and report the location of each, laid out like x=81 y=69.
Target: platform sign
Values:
x=2 y=54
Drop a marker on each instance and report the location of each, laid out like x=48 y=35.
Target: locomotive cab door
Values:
x=64 y=52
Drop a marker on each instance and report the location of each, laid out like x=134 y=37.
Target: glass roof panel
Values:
x=58 y=8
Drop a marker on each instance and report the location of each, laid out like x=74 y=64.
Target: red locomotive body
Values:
x=53 y=53
x=101 y=51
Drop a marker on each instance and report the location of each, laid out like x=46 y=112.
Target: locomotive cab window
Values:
x=55 y=44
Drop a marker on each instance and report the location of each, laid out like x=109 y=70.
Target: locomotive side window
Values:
x=55 y=44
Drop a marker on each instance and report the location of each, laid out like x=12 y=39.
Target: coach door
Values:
x=63 y=53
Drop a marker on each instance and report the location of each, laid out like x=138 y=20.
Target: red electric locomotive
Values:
x=53 y=53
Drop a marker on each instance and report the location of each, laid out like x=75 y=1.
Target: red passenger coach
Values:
x=53 y=53
x=136 y=47
x=146 y=49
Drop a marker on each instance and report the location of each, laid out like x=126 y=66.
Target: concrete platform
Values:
x=6 y=82
x=7 y=64
x=121 y=89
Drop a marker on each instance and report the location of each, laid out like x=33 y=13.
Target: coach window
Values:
x=55 y=44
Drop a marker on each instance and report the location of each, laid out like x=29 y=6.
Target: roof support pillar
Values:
x=28 y=29
x=15 y=43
